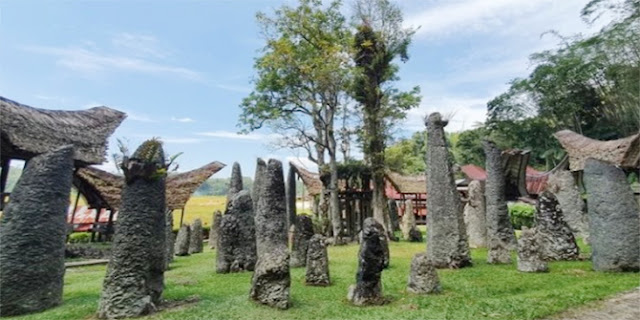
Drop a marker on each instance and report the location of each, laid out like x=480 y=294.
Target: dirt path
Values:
x=624 y=306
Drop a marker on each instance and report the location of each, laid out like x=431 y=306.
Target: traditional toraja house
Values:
x=102 y=191
x=623 y=152
x=27 y=132
x=402 y=187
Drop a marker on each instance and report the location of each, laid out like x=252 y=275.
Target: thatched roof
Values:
x=514 y=162
x=310 y=179
x=28 y=131
x=408 y=184
x=623 y=152
x=181 y=186
x=101 y=188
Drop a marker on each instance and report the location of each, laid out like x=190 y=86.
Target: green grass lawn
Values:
x=480 y=292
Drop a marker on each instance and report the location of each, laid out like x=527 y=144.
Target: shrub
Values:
x=80 y=237
x=521 y=214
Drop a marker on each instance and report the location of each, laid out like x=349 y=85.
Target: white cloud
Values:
x=180 y=140
x=139 y=45
x=184 y=120
x=234 y=88
x=463 y=113
x=234 y=135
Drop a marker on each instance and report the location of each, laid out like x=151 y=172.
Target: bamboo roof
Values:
x=28 y=131
x=181 y=186
x=624 y=152
x=407 y=184
x=311 y=180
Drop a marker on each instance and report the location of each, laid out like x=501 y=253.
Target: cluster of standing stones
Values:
x=252 y=234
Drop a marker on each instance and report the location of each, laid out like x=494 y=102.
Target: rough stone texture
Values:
x=317 y=262
x=563 y=186
x=423 y=277
x=87 y=251
x=258 y=179
x=500 y=234
x=447 y=245
x=134 y=281
x=215 y=226
x=613 y=218
x=170 y=237
x=291 y=195
x=474 y=216
x=408 y=219
x=554 y=236
x=235 y=182
x=303 y=232
x=393 y=215
x=196 y=237
x=529 y=252
x=368 y=290
x=237 y=236
x=384 y=241
x=181 y=247
x=415 y=235
x=271 y=279
x=32 y=235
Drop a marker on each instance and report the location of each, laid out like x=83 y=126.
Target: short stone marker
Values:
x=213 y=232
x=529 y=252
x=181 y=246
x=196 y=237
x=423 y=277
x=317 y=262
x=303 y=232
x=475 y=216
x=564 y=187
x=237 y=236
x=408 y=220
x=393 y=215
x=555 y=238
x=368 y=290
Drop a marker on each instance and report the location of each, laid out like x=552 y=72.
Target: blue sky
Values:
x=180 y=69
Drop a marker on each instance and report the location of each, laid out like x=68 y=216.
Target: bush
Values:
x=521 y=214
x=80 y=237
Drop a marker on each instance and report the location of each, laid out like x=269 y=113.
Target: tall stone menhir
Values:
x=302 y=234
x=215 y=226
x=271 y=278
x=235 y=182
x=563 y=186
x=135 y=276
x=32 y=235
x=475 y=217
x=258 y=180
x=317 y=262
x=555 y=238
x=290 y=186
x=368 y=289
x=613 y=218
x=447 y=245
x=500 y=234
x=237 y=236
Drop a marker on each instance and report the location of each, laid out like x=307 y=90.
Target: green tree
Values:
x=407 y=155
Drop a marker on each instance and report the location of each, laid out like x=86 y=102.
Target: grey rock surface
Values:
x=237 y=236
x=291 y=195
x=529 y=252
x=134 y=281
x=475 y=216
x=32 y=235
x=368 y=290
x=554 y=235
x=614 y=223
x=181 y=246
x=258 y=179
x=408 y=219
x=317 y=262
x=500 y=234
x=423 y=277
x=563 y=186
x=447 y=245
x=215 y=226
x=196 y=237
x=170 y=237
x=393 y=215
x=235 y=182
x=271 y=279
x=415 y=235
x=303 y=232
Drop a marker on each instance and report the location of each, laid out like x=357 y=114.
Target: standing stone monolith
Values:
x=237 y=236
x=529 y=252
x=554 y=235
x=170 y=237
x=562 y=184
x=181 y=246
x=32 y=235
x=134 y=281
x=614 y=221
x=215 y=226
x=290 y=186
x=447 y=245
x=258 y=180
x=317 y=262
x=423 y=277
x=500 y=234
x=300 y=244
x=408 y=219
x=474 y=216
x=384 y=241
x=368 y=290
x=235 y=182
x=196 y=237
x=271 y=279
x=393 y=215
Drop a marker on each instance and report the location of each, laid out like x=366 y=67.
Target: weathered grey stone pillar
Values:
x=447 y=245
x=134 y=281
x=529 y=252
x=500 y=235
x=317 y=262
x=258 y=180
x=613 y=218
x=408 y=220
x=291 y=195
x=196 y=237
x=368 y=290
x=423 y=277
x=271 y=278
x=32 y=235
x=235 y=182
x=564 y=187
x=237 y=236
x=554 y=236
x=475 y=217
x=170 y=237
x=393 y=215
x=215 y=226
x=300 y=244
x=181 y=247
